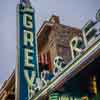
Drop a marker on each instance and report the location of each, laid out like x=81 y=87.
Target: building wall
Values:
x=57 y=42
x=63 y=36
x=7 y=91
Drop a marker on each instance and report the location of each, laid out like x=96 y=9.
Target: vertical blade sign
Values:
x=27 y=53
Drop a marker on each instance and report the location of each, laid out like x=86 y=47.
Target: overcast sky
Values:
x=72 y=12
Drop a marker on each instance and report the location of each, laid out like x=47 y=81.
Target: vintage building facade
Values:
x=53 y=39
x=7 y=91
x=78 y=81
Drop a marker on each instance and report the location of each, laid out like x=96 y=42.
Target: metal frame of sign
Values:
x=27 y=58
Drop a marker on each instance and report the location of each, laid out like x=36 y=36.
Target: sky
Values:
x=73 y=13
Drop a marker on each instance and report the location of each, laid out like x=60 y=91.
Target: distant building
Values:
x=7 y=91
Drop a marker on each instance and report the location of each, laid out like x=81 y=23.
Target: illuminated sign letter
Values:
x=30 y=80
x=64 y=98
x=89 y=32
x=28 y=58
x=76 y=45
x=28 y=38
x=27 y=21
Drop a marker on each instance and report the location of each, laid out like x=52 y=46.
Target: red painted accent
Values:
x=49 y=61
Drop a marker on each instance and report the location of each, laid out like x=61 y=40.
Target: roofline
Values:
x=7 y=82
x=46 y=23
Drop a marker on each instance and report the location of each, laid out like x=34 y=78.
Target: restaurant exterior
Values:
x=78 y=79
x=58 y=62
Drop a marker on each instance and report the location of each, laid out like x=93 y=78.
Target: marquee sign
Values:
x=90 y=32
x=27 y=67
x=27 y=74
x=98 y=15
x=56 y=96
x=81 y=48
